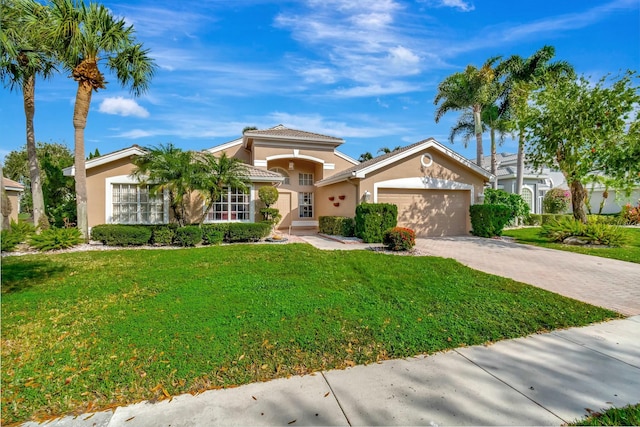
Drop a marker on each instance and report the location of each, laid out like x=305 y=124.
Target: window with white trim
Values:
x=132 y=204
x=233 y=205
x=282 y=172
x=305 y=179
x=527 y=196
x=305 y=205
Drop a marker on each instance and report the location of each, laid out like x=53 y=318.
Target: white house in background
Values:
x=536 y=183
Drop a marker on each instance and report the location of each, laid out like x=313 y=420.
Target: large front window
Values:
x=132 y=204
x=233 y=205
x=305 y=205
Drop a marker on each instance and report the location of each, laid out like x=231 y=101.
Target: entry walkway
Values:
x=545 y=379
x=599 y=281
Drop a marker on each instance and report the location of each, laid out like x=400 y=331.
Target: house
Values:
x=14 y=192
x=432 y=185
x=536 y=183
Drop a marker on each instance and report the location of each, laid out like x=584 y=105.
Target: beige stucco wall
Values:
x=443 y=167
x=96 y=187
x=236 y=151
x=347 y=206
x=15 y=204
x=328 y=156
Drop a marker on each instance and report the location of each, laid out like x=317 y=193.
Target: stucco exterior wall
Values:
x=347 y=206
x=96 y=187
x=14 y=201
x=236 y=151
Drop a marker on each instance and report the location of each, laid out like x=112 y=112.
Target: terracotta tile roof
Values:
x=11 y=183
x=283 y=131
x=255 y=173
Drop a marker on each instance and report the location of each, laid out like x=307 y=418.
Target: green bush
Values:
x=533 y=219
x=489 y=220
x=630 y=214
x=214 y=234
x=399 y=239
x=271 y=215
x=605 y=219
x=373 y=219
x=556 y=201
x=121 y=235
x=337 y=225
x=248 y=231
x=189 y=235
x=596 y=233
x=9 y=240
x=22 y=230
x=550 y=218
x=518 y=207
x=162 y=235
x=56 y=238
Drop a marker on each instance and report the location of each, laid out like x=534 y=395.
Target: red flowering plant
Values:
x=631 y=214
x=399 y=239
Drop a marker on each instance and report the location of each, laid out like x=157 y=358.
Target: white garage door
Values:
x=430 y=213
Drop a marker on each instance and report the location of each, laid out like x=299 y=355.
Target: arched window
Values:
x=283 y=173
x=527 y=196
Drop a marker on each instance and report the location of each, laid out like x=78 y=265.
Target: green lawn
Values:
x=627 y=416
x=82 y=331
x=630 y=252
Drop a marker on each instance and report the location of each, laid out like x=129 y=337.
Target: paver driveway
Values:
x=599 y=281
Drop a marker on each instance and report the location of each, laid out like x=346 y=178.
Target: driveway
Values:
x=599 y=281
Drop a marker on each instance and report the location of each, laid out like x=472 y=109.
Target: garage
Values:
x=430 y=213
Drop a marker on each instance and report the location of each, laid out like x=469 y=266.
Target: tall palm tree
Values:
x=25 y=54
x=523 y=76
x=86 y=39
x=168 y=168
x=214 y=174
x=470 y=91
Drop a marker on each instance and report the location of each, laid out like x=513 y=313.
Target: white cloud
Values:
x=122 y=107
x=458 y=4
x=376 y=90
x=135 y=134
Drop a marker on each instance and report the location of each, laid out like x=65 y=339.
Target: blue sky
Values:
x=364 y=70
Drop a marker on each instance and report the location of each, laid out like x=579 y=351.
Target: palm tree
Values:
x=387 y=150
x=470 y=91
x=168 y=168
x=25 y=54
x=86 y=38
x=365 y=156
x=523 y=76
x=215 y=174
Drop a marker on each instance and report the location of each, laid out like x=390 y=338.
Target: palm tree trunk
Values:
x=578 y=196
x=80 y=114
x=5 y=204
x=494 y=159
x=520 y=167
x=477 y=119
x=28 y=95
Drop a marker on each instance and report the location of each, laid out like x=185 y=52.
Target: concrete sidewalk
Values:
x=545 y=379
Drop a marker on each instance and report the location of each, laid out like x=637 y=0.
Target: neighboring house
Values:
x=536 y=183
x=432 y=185
x=14 y=192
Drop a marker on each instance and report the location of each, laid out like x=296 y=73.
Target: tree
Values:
x=387 y=150
x=25 y=54
x=269 y=195
x=5 y=205
x=523 y=76
x=468 y=91
x=586 y=128
x=365 y=156
x=87 y=38
x=215 y=174
x=168 y=168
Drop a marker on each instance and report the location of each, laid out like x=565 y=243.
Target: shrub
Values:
x=373 y=219
x=556 y=201
x=489 y=220
x=271 y=215
x=533 y=219
x=605 y=219
x=213 y=234
x=247 y=231
x=162 y=235
x=631 y=214
x=121 y=235
x=337 y=225
x=596 y=233
x=9 y=240
x=22 y=230
x=268 y=195
x=399 y=239
x=189 y=235
x=518 y=207
x=56 y=238
x=549 y=218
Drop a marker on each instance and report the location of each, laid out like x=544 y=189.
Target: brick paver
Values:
x=599 y=281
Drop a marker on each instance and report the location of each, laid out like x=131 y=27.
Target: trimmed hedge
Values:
x=122 y=235
x=399 y=239
x=214 y=234
x=247 y=232
x=489 y=220
x=189 y=235
x=373 y=219
x=337 y=225
x=162 y=235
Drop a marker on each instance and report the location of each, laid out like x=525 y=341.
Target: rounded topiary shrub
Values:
x=556 y=201
x=189 y=235
x=399 y=239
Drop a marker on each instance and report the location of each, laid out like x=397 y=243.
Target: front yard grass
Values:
x=629 y=252
x=627 y=416
x=84 y=331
